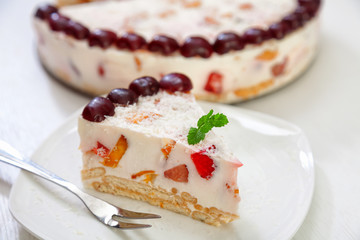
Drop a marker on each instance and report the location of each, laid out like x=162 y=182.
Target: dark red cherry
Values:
x=255 y=36
x=76 y=30
x=97 y=109
x=311 y=6
x=226 y=42
x=123 y=96
x=58 y=22
x=101 y=38
x=145 y=86
x=44 y=11
x=278 y=30
x=292 y=21
x=131 y=41
x=302 y=14
x=163 y=44
x=196 y=46
x=176 y=82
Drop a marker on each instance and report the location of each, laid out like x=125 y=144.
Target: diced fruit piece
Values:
x=228 y=41
x=150 y=177
x=176 y=82
x=267 y=55
x=101 y=38
x=138 y=63
x=214 y=83
x=100 y=150
x=123 y=96
x=204 y=164
x=179 y=173
x=163 y=44
x=97 y=109
x=101 y=70
x=131 y=41
x=145 y=86
x=58 y=22
x=148 y=174
x=139 y=174
x=76 y=30
x=192 y=4
x=112 y=160
x=44 y=11
x=196 y=46
x=166 y=150
x=279 y=68
x=210 y=20
x=139 y=117
x=246 y=6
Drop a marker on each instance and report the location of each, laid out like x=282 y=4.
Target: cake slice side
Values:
x=142 y=152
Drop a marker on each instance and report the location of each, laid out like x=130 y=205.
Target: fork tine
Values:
x=122 y=213
x=124 y=225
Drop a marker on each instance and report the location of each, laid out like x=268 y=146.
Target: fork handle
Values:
x=11 y=156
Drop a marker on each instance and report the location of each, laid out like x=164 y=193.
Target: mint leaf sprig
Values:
x=204 y=125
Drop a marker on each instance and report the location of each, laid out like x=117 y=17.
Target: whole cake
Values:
x=152 y=142
x=233 y=49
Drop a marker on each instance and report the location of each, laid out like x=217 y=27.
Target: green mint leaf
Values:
x=195 y=136
x=219 y=120
x=206 y=127
x=205 y=124
x=204 y=118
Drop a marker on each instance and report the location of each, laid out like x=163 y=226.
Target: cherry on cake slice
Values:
x=153 y=142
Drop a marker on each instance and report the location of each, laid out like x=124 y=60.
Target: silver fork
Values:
x=103 y=211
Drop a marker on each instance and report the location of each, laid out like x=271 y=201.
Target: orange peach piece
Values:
x=137 y=63
x=166 y=150
x=246 y=6
x=191 y=4
x=267 y=55
x=115 y=155
x=139 y=117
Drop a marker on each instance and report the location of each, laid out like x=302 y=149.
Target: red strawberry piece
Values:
x=101 y=150
x=179 y=173
x=204 y=164
x=214 y=83
x=279 y=68
x=101 y=70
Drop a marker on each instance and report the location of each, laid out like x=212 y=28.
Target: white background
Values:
x=324 y=102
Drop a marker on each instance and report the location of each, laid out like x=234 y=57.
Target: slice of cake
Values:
x=233 y=50
x=153 y=142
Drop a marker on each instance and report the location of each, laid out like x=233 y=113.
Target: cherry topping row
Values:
x=193 y=45
x=99 y=107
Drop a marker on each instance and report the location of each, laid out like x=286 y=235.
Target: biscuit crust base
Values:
x=175 y=201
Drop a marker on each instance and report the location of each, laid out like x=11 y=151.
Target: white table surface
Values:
x=324 y=102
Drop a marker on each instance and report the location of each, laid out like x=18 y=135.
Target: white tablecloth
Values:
x=324 y=102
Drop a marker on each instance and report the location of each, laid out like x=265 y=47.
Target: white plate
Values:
x=276 y=185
